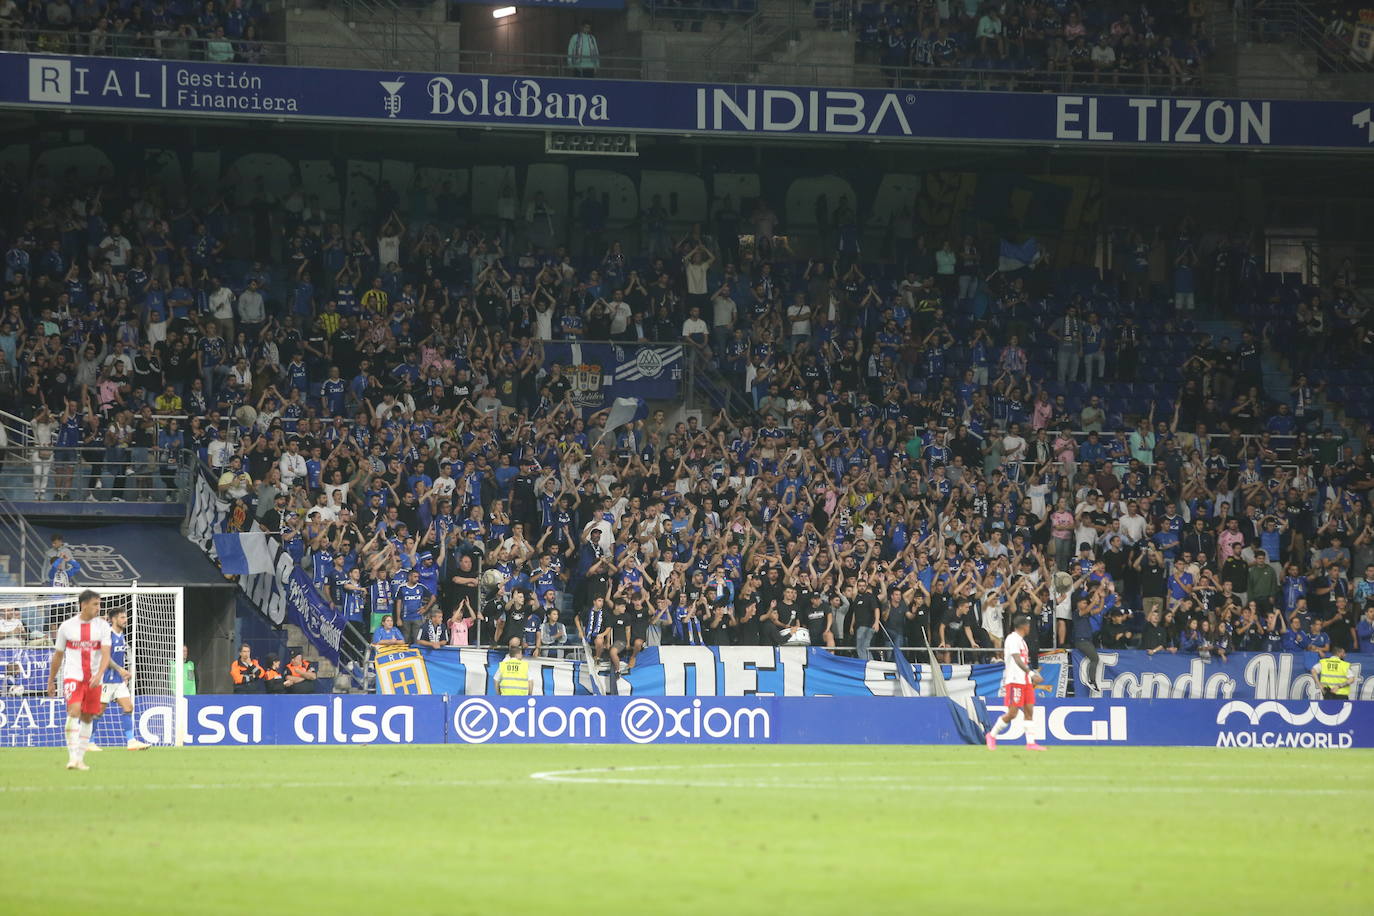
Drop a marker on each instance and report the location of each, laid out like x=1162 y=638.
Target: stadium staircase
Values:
x=780 y=43
x=711 y=391
x=371 y=34
x=338 y=681
x=1345 y=403
x=1283 y=49
x=21 y=549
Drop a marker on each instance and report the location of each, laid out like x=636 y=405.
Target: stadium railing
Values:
x=22 y=551
x=704 y=387
x=984 y=75
x=90 y=473
x=1324 y=36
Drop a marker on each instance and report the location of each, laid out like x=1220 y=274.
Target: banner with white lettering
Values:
x=24 y=670
x=803 y=671
x=354 y=720
x=1244 y=675
x=114 y=85
x=698 y=671
x=30 y=718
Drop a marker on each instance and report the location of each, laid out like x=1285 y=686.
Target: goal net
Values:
x=29 y=618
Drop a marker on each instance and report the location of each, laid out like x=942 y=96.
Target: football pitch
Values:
x=583 y=829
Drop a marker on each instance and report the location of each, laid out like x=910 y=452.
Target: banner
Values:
x=284 y=593
x=239 y=720
x=1244 y=675
x=356 y=720
x=698 y=671
x=802 y=671
x=1012 y=257
x=24 y=670
x=601 y=373
x=35 y=720
x=296 y=94
x=243 y=553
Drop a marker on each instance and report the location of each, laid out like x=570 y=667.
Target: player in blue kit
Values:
x=115 y=685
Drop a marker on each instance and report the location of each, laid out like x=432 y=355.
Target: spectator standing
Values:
x=188 y=673
x=1068 y=336
x=252 y=311
x=584 y=55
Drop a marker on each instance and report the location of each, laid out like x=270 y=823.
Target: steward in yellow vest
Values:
x=1333 y=673
x=513 y=675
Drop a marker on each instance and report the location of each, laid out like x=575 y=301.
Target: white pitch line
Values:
x=234 y=786
x=602 y=776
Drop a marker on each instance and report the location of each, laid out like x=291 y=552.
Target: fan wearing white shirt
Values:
x=1014 y=446
x=1132 y=524
x=292 y=465
x=444 y=484
x=1018 y=684
x=116 y=248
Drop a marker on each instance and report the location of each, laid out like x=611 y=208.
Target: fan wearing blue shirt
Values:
x=429 y=573
x=386 y=634
x=62 y=570
x=332 y=394
x=1295 y=639
x=354 y=596
x=1318 y=642
x=412 y=603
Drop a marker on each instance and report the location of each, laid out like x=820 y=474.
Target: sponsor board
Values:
x=611 y=720
x=37 y=721
x=317 y=719
x=118 y=85
x=213 y=721
x=1274 y=724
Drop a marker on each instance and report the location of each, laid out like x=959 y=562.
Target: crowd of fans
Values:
x=918 y=446
x=1052 y=46
x=220 y=32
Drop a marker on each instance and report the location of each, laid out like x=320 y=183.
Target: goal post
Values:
x=155 y=633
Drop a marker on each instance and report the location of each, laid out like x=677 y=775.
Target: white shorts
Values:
x=111 y=692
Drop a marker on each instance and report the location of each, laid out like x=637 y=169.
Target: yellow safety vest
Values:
x=512 y=678
x=1334 y=673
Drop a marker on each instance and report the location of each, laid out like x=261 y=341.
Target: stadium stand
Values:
x=1104 y=47
x=177 y=30
x=926 y=439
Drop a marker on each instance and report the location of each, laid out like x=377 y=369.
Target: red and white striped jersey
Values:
x=1015 y=647
x=81 y=642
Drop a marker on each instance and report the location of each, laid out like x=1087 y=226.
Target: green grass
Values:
x=701 y=830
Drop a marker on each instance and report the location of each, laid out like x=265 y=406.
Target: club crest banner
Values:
x=601 y=372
